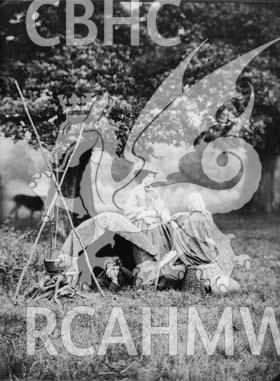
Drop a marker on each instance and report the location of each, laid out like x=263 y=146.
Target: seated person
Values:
x=145 y=209
x=193 y=241
x=115 y=276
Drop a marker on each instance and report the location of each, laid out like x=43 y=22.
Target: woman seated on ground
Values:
x=193 y=241
x=145 y=209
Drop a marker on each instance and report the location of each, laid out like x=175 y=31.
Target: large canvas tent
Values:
x=111 y=234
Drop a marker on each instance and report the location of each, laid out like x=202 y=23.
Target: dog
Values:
x=32 y=203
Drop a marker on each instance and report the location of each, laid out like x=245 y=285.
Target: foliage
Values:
x=131 y=74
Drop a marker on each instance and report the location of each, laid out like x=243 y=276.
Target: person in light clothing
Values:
x=146 y=209
x=195 y=245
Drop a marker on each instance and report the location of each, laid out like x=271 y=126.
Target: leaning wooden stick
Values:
x=58 y=188
x=45 y=219
x=64 y=203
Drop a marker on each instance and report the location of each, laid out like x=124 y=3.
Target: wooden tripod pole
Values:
x=58 y=188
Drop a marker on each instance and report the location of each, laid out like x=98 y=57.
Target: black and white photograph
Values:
x=140 y=190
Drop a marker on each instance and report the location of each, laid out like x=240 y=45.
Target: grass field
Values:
x=257 y=235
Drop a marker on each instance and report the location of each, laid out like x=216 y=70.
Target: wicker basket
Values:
x=191 y=284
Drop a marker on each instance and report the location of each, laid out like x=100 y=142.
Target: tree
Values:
x=131 y=74
x=1 y=200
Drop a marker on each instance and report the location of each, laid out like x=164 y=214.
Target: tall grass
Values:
x=258 y=237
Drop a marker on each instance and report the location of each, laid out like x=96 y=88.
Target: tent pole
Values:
x=63 y=201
